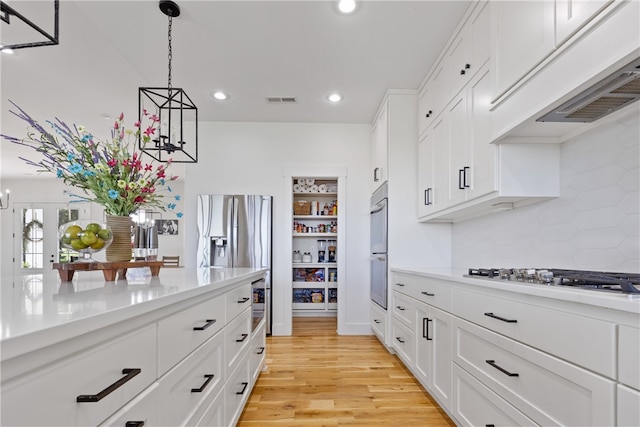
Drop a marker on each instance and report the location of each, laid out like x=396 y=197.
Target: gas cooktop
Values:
x=627 y=283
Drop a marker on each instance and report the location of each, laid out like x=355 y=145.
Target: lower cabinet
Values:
x=628 y=408
x=258 y=351
x=237 y=390
x=378 y=317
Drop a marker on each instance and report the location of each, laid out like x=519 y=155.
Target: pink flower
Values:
x=121 y=116
x=150 y=131
x=137 y=124
x=145 y=112
x=112 y=162
x=148 y=167
x=154 y=118
x=116 y=125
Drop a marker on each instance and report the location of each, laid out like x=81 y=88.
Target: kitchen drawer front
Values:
x=237 y=337
x=236 y=391
x=258 y=350
x=55 y=389
x=585 y=341
x=238 y=300
x=403 y=283
x=143 y=408
x=629 y=356
x=476 y=405
x=190 y=386
x=404 y=310
x=403 y=341
x=433 y=292
x=183 y=332
x=378 y=321
x=628 y=407
x=214 y=414
x=548 y=390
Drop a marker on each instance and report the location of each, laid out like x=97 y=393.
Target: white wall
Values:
x=248 y=158
x=593 y=225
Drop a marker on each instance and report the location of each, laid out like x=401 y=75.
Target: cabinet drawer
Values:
x=404 y=310
x=546 y=389
x=585 y=341
x=188 y=388
x=403 y=283
x=403 y=341
x=183 y=332
x=629 y=356
x=378 y=321
x=258 y=350
x=236 y=391
x=237 y=336
x=56 y=388
x=628 y=407
x=432 y=291
x=476 y=405
x=143 y=408
x=214 y=415
x=238 y=300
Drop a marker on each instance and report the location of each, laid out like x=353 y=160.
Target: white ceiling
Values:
x=250 y=49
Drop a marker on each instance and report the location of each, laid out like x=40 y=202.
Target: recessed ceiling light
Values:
x=334 y=97
x=219 y=95
x=347 y=7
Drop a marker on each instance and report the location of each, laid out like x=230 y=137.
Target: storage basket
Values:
x=301 y=207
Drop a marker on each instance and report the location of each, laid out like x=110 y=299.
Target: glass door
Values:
x=36 y=244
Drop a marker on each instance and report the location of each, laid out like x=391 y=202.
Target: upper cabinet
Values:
x=380 y=143
x=571 y=15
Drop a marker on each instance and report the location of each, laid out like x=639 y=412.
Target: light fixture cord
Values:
x=170 y=55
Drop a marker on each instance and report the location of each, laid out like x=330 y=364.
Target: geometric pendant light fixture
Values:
x=20 y=31
x=177 y=137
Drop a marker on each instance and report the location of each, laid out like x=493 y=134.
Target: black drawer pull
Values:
x=243 y=300
x=244 y=387
x=261 y=350
x=376 y=321
x=500 y=318
x=208 y=377
x=400 y=340
x=425 y=329
x=427 y=294
x=504 y=371
x=134 y=424
x=244 y=337
x=489 y=425
x=399 y=284
x=205 y=326
x=401 y=308
x=128 y=374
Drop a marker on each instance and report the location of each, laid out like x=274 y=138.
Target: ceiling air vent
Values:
x=608 y=95
x=280 y=100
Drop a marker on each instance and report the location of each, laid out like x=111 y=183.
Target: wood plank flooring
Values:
x=317 y=378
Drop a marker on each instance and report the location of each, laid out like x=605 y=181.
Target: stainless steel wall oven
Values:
x=378 y=247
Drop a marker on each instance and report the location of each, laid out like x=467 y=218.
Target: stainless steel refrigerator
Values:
x=235 y=231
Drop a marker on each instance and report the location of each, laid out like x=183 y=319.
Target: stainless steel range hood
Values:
x=608 y=95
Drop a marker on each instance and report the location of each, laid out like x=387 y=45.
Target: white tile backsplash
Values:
x=594 y=224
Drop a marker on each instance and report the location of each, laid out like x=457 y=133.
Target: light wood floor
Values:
x=317 y=378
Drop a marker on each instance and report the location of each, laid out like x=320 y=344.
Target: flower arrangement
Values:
x=110 y=173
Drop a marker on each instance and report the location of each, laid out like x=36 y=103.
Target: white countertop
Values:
x=40 y=309
x=622 y=302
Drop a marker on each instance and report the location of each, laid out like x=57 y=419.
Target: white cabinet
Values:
x=433 y=168
x=315 y=242
x=380 y=143
x=571 y=15
x=258 y=351
x=628 y=356
x=628 y=408
x=378 y=321
x=237 y=390
x=433 y=351
x=522 y=36
x=403 y=342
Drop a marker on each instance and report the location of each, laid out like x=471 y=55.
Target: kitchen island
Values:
x=515 y=353
x=170 y=349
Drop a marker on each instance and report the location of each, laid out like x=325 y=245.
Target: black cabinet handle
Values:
x=399 y=284
x=463 y=72
x=134 y=424
x=425 y=328
x=489 y=425
x=460 y=172
x=427 y=197
x=428 y=114
x=244 y=337
x=493 y=316
x=401 y=308
x=244 y=387
x=467 y=66
x=504 y=371
x=376 y=321
x=376 y=174
x=205 y=326
x=261 y=350
x=128 y=374
x=400 y=340
x=427 y=294
x=243 y=300
x=464 y=176
x=208 y=377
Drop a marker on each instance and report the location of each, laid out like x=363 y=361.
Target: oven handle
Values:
x=377 y=208
x=378 y=258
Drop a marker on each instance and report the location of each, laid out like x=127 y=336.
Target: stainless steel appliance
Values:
x=235 y=231
x=379 y=216
x=623 y=283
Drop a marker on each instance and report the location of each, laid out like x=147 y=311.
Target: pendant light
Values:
x=23 y=32
x=177 y=137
